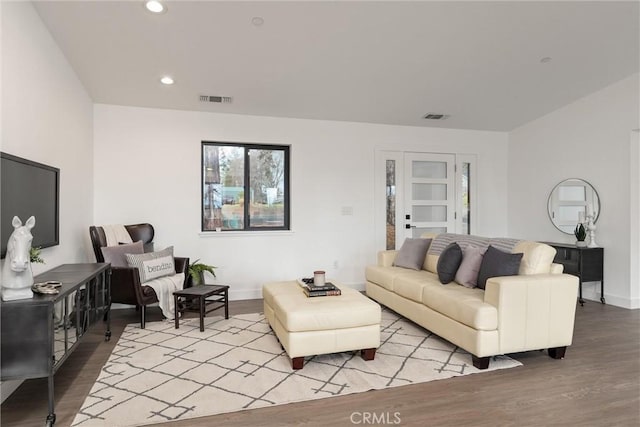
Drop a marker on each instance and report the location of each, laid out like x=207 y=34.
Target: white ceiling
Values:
x=380 y=62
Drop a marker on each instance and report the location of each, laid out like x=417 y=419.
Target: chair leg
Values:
x=142 y=312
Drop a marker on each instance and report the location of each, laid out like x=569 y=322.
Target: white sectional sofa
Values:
x=529 y=311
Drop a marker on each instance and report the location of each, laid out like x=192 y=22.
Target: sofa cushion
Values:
x=412 y=253
x=386 y=276
x=448 y=263
x=537 y=257
x=411 y=286
x=467 y=274
x=496 y=263
x=461 y=304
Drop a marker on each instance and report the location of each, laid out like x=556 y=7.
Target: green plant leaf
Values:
x=580 y=232
x=195 y=268
x=34 y=255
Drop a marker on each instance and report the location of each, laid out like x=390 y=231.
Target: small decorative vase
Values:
x=199 y=279
x=581 y=244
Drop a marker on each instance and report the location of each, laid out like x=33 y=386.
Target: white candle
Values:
x=581 y=217
x=318 y=278
x=589 y=209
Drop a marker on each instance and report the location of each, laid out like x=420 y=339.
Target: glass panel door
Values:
x=429 y=194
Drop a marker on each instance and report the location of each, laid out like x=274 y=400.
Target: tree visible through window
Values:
x=245 y=186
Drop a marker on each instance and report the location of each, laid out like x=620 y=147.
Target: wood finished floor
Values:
x=597 y=384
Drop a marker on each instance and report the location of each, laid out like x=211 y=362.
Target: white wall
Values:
x=47 y=117
x=147 y=169
x=587 y=139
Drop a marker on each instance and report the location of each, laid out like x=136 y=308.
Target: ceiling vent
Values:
x=216 y=99
x=436 y=116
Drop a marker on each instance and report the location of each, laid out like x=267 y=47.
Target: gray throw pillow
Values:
x=412 y=253
x=153 y=265
x=497 y=263
x=467 y=274
x=448 y=263
x=148 y=247
x=115 y=254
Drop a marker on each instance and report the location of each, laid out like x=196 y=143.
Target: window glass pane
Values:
x=422 y=169
x=429 y=191
x=429 y=213
x=266 y=180
x=466 y=198
x=223 y=187
x=244 y=187
x=391 y=204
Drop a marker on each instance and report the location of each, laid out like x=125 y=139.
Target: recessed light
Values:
x=155 y=6
x=166 y=80
x=546 y=59
x=257 y=21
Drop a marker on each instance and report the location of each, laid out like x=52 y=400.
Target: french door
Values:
x=419 y=193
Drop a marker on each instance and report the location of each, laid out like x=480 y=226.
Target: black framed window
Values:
x=245 y=187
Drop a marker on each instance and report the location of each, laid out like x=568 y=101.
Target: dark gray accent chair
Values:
x=125 y=281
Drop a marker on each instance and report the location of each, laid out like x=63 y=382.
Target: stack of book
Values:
x=311 y=290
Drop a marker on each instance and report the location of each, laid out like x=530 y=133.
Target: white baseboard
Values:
x=591 y=292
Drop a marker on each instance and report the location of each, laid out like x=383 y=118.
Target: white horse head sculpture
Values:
x=17 y=277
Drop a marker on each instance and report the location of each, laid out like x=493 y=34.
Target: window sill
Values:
x=207 y=234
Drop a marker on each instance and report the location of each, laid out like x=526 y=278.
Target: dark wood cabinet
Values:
x=39 y=333
x=586 y=263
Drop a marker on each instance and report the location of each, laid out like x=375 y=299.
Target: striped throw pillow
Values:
x=153 y=265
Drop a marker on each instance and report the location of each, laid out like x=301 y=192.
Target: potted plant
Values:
x=196 y=272
x=34 y=255
x=581 y=235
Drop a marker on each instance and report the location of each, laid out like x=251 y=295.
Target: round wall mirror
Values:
x=569 y=203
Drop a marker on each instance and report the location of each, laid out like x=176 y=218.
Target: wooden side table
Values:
x=586 y=263
x=220 y=294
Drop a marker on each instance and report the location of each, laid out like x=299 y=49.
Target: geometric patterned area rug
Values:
x=161 y=374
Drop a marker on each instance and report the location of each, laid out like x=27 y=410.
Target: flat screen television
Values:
x=28 y=188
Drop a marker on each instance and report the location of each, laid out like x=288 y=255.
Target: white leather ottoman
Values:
x=319 y=325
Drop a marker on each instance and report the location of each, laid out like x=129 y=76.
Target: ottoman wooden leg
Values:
x=368 y=353
x=480 y=362
x=297 y=362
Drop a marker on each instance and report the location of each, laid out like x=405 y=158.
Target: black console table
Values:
x=39 y=333
x=586 y=263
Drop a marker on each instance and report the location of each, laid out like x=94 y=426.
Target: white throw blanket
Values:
x=165 y=287
x=116 y=234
